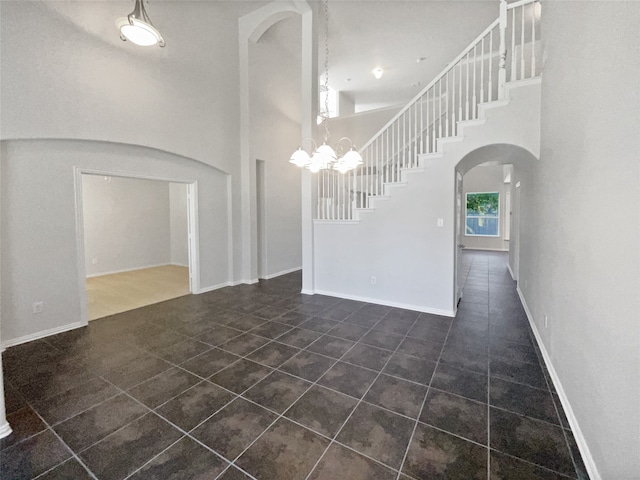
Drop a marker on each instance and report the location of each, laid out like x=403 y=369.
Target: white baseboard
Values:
x=44 y=333
x=134 y=269
x=5 y=430
x=487 y=249
x=283 y=272
x=418 y=308
x=307 y=292
x=587 y=458
x=230 y=283
x=213 y=287
x=511 y=271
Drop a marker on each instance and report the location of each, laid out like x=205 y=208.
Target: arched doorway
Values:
x=496 y=154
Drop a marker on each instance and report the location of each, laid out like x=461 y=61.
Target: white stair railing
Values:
x=505 y=51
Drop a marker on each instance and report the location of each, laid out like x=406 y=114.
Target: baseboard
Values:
x=417 y=308
x=132 y=269
x=587 y=458
x=487 y=249
x=213 y=287
x=513 y=277
x=283 y=272
x=307 y=292
x=5 y=430
x=42 y=334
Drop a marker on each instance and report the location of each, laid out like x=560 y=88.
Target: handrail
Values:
x=520 y=3
x=435 y=113
x=439 y=77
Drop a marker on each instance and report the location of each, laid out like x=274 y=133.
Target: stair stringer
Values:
x=399 y=243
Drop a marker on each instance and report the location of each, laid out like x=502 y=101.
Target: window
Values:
x=483 y=214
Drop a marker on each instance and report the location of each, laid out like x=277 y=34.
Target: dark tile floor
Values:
x=263 y=382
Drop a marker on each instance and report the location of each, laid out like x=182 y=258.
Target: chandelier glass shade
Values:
x=137 y=28
x=325 y=157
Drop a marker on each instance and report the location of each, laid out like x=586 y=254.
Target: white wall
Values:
x=275 y=134
x=67 y=75
x=73 y=77
x=178 y=224
x=399 y=242
x=126 y=224
x=40 y=254
x=486 y=178
x=580 y=262
x=360 y=127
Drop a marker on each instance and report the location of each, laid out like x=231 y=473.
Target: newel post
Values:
x=502 y=67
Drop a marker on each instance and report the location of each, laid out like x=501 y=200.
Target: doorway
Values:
x=459 y=246
x=136 y=241
x=515 y=233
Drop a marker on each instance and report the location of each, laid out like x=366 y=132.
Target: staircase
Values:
x=504 y=55
x=384 y=233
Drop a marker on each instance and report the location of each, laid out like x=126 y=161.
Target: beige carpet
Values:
x=119 y=292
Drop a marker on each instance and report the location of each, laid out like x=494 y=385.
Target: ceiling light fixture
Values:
x=325 y=157
x=377 y=72
x=137 y=28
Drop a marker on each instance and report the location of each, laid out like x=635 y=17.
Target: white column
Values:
x=309 y=96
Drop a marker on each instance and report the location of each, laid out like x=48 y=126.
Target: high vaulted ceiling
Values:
x=393 y=35
x=363 y=34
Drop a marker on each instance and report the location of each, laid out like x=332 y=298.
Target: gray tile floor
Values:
x=263 y=382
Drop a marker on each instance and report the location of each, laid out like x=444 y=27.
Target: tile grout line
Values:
x=152 y=410
x=273 y=369
x=557 y=410
x=204 y=379
x=74 y=455
x=424 y=400
x=100 y=375
x=313 y=384
x=335 y=436
x=185 y=434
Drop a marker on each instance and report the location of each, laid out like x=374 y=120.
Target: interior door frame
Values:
x=457 y=239
x=193 y=244
x=515 y=232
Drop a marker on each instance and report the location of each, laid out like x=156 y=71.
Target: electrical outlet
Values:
x=94 y=261
x=38 y=307
x=546 y=321
x=373 y=280
x=441 y=222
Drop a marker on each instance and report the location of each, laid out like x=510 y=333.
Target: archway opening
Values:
x=499 y=228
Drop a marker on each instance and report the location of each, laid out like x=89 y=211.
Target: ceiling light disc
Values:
x=139 y=32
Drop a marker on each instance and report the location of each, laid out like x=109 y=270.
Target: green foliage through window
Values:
x=483 y=213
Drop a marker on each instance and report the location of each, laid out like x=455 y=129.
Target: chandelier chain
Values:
x=326 y=71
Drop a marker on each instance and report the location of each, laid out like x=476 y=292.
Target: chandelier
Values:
x=325 y=157
x=137 y=28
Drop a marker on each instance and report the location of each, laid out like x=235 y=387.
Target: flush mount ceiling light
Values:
x=377 y=72
x=137 y=28
x=325 y=157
